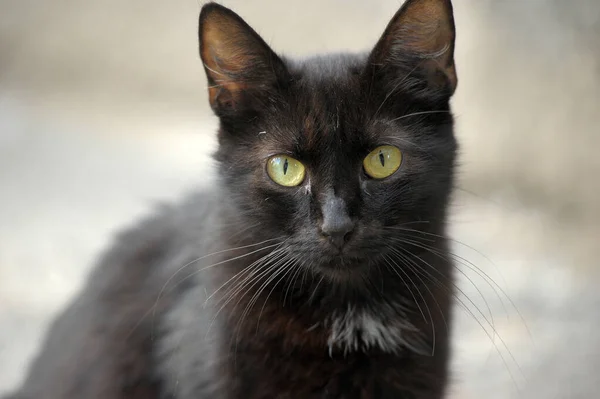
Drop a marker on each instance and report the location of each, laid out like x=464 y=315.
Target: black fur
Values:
x=160 y=317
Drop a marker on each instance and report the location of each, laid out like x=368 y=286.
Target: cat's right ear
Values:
x=416 y=51
x=239 y=65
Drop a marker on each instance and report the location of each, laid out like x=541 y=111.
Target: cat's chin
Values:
x=341 y=269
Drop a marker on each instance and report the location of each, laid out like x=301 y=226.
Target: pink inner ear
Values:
x=223 y=53
x=233 y=56
x=222 y=73
x=426 y=27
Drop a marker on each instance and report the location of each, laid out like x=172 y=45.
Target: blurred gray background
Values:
x=103 y=113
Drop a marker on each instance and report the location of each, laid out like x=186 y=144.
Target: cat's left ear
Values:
x=419 y=42
x=239 y=64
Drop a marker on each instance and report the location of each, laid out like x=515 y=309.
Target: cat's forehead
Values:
x=326 y=97
x=329 y=112
x=329 y=68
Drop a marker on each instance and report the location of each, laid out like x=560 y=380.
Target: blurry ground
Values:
x=103 y=112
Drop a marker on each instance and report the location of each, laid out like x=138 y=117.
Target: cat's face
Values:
x=340 y=156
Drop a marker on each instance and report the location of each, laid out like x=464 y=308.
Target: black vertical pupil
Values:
x=285 y=166
x=381 y=158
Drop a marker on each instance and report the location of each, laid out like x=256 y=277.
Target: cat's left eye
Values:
x=382 y=162
x=285 y=170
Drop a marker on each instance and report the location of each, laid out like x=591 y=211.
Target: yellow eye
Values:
x=382 y=162
x=285 y=170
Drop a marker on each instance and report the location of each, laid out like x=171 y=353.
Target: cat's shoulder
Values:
x=169 y=232
x=112 y=323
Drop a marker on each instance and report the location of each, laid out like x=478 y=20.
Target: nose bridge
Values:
x=337 y=191
x=337 y=224
x=339 y=173
x=338 y=186
x=334 y=210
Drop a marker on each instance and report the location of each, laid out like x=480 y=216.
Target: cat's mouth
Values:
x=345 y=262
x=343 y=272
x=342 y=266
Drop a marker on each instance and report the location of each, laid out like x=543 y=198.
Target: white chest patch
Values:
x=363 y=329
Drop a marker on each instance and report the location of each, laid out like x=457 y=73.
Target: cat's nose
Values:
x=337 y=225
x=339 y=236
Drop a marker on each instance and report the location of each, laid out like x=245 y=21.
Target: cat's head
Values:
x=340 y=155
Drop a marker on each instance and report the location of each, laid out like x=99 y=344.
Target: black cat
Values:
x=317 y=267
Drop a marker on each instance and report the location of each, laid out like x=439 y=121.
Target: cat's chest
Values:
x=325 y=383
x=362 y=374
x=318 y=380
x=358 y=330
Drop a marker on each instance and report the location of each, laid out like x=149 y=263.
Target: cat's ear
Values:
x=419 y=42
x=238 y=62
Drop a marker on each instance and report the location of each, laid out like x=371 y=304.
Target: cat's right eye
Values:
x=285 y=170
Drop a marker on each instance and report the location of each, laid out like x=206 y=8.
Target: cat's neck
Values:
x=320 y=315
